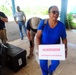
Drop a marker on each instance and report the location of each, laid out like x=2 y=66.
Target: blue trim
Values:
x=13 y=6
x=63 y=10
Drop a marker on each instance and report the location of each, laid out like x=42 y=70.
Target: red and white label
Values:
x=52 y=52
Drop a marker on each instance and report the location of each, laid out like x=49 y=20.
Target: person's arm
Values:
x=24 y=17
x=64 y=38
x=28 y=30
x=15 y=19
x=65 y=42
x=15 y=16
x=5 y=19
x=28 y=35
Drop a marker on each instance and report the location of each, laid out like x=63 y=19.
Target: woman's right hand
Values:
x=37 y=53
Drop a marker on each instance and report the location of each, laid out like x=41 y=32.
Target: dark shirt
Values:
x=2 y=23
x=28 y=25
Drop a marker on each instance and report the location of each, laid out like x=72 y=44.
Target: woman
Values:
x=51 y=34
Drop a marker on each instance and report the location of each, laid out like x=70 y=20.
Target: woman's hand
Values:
x=37 y=53
x=65 y=53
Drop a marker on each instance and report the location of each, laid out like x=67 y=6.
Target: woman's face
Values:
x=54 y=13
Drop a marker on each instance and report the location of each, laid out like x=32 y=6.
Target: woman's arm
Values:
x=65 y=42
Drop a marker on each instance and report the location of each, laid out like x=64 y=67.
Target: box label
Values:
x=20 y=61
x=52 y=52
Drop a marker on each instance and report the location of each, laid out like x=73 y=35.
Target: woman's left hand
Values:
x=66 y=54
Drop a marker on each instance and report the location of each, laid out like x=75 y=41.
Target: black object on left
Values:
x=16 y=58
x=3 y=56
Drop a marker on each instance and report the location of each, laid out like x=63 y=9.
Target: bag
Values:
x=3 y=54
x=45 y=21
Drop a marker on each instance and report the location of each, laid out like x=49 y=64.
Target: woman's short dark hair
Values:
x=51 y=8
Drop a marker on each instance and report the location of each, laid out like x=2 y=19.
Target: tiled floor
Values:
x=67 y=67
